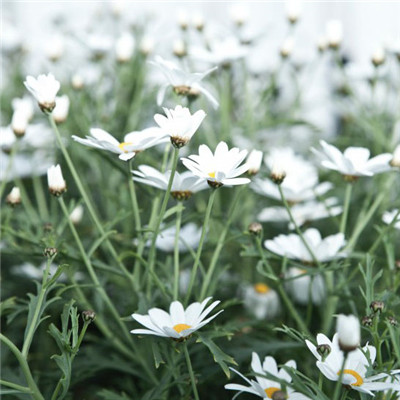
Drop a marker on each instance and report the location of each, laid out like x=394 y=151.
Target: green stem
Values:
x=299 y=232
x=339 y=381
x=38 y=310
x=346 y=207
x=86 y=200
x=200 y=248
x=135 y=206
x=176 y=251
x=15 y=386
x=330 y=304
x=24 y=366
x=192 y=378
x=40 y=198
x=292 y=310
x=152 y=252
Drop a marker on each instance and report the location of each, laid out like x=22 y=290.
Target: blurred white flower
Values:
x=261 y=301
x=357 y=365
x=19 y=123
x=7 y=139
x=348 y=331
x=54 y=47
x=14 y=197
x=334 y=33
x=44 y=88
x=55 y=180
x=124 y=47
x=179 y=124
x=302 y=212
x=179 y=48
x=220 y=168
x=189 y=238
x=303 y=287
x=133 y=143
x=147 y=45
x=99 y=45
x=182 y=82
x=76 y=214
x=31 y=271
x=268 y=388
x=24 y=105
x=395 y=162
x=378 y=56
x=178 y=323
x=293 y=10
x=389 y=216
x=287 y=47
x=292 y=247
x=239 y=13
x=198 y=21
x=183 y=19
x=60 y=112
x=183 y=185
x=254 y=161
x=353 y=162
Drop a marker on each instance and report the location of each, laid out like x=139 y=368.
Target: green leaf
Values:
x=157 y=355
x=219 y=356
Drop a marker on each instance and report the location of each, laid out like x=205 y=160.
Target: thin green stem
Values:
x=339 y=381
x=24 y=366
x=87 y=201
x=40 y=198
x=346 y=207
x=200 y=248
x=38 y=310
x=152 y=252
x=192 y=378
x=15 y=386
x=135 y=206
x=176 y=252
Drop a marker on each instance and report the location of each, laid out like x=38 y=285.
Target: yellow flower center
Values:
x=211 y=174
x=122 y=146
x=359 y=381
x=270 y=391
x=261 y=288
x=181 y=327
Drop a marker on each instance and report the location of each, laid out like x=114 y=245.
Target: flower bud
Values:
x=147 y=45
x=278 y=174
x=255 y=228
x=14 y=197
x=378 y=57
x=254 y=161
x=124 y=48
x=76 y=215
x=322 y=44
x=324 y=350
x=88 y=316
x=183 y=20
x=61 y=109
x=348 y=329
x=198 y=22
x=77 y=82
x=293 y=9
x=55 y=48
x=392 y=321
x=377 y=306
x=49 y=252
x=19 y=123
x=367 y=320
x=179 y=48
x=239 y=14
x=47 y=227
x=334 y=33
x=287 y=47
x=396 y=157
x=56 y=182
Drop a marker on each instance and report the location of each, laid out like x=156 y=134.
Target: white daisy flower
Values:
x=182 y=82
x=355 y=369
x=44 y=88
x=189 y=238
x=56 y=182
x=303 y=287
x=179 y=124
x=183 y=185
x=60 y=112
x=133 y=143
x=261 y=301
x=389 y=216
x=266 y=388
x=302 y=212
x=178 y=323
x=292 y=247
x=24 y=105
x=19 y=123
x=220 y=168
x=124 y=47
x=353 y=162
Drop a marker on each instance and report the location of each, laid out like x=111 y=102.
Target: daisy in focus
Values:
x=356 y=367
x=292 y=247
x=183 y=83
x=353 y=162
x=179 y=323
x=133 y=143
x=44 y=88
x=183 y=185
x=267 y=388
x=221 y=168
x=179 y=124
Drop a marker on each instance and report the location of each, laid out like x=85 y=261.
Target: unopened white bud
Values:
x=77 y=82
x=287 y=47
x=334 y=33
x=198 y=22
x=293 y=9
x=14 y=197
x=76 y=214
x=239 y=14
x=19 y=123
x=396 y=157
x=117 y=7
x=278 y=173
x=322 y=44
x=55 y=48
x=179 y=48
x=60 y=112
x=56 y=182
x=254 y=161
x=348 y=330
x=147 y=45
x=183 y=19
x=378 y=57
x=124 y=48
x=24 y=105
